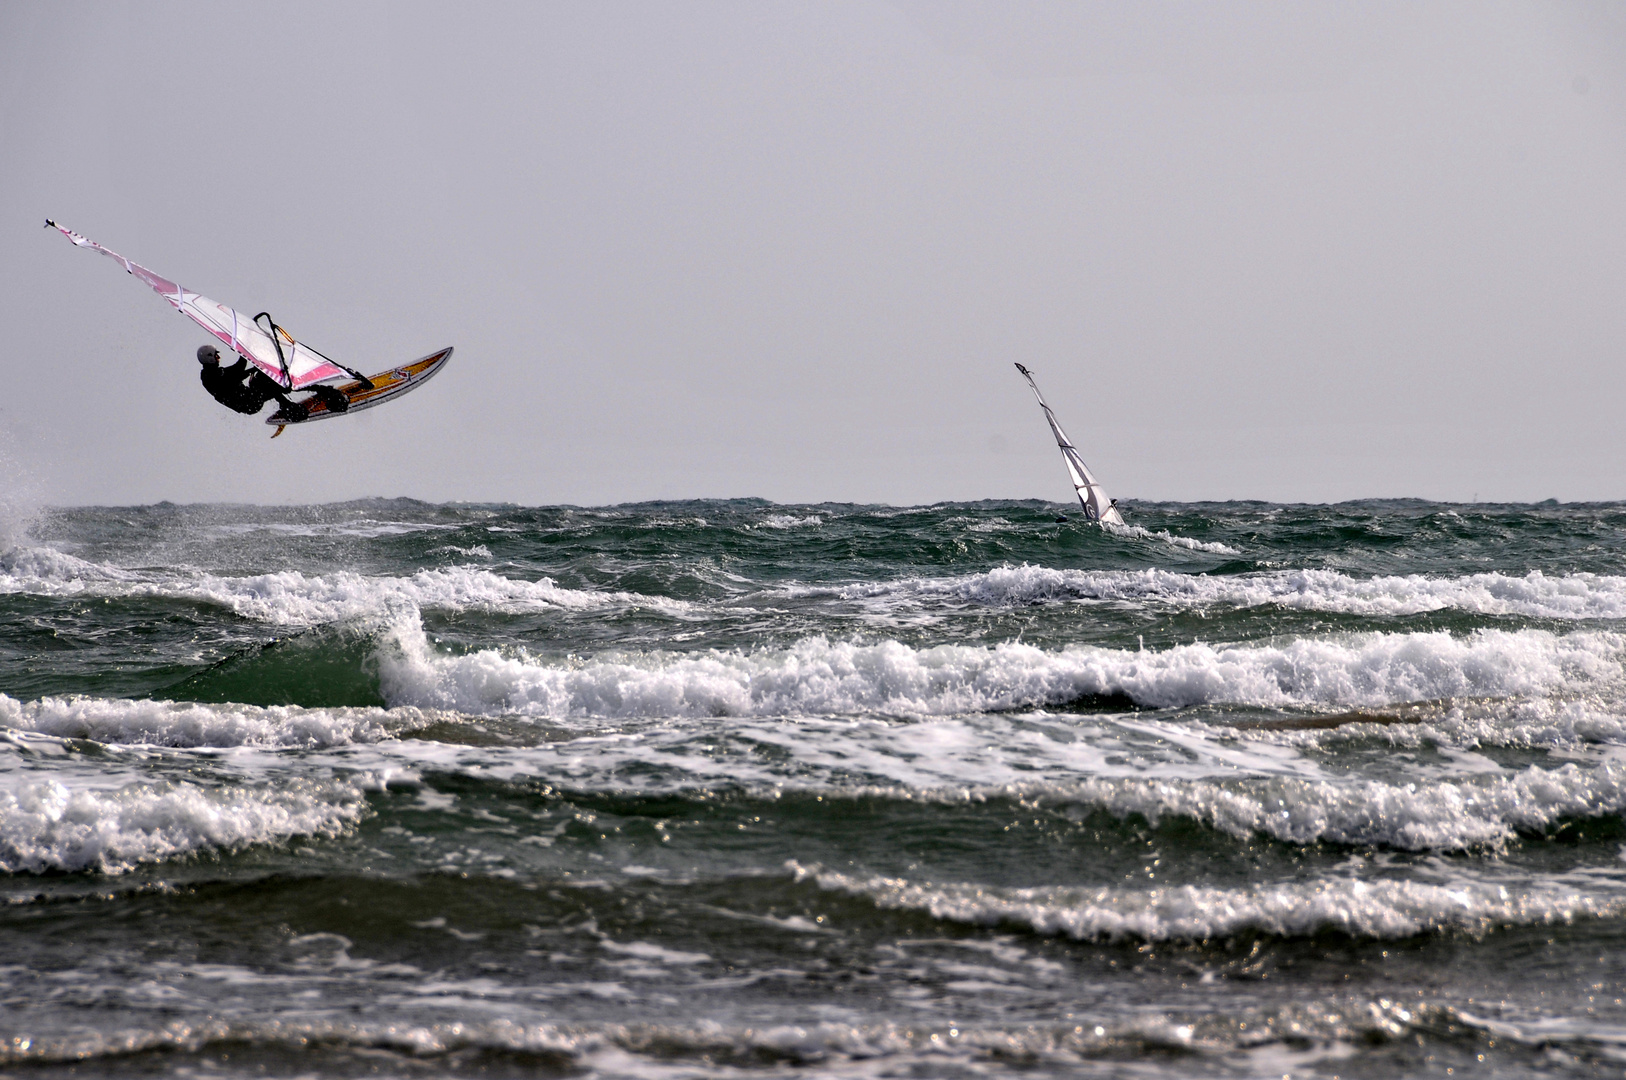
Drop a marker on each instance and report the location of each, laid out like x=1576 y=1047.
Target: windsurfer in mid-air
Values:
x=227 y=386
x=270 y=364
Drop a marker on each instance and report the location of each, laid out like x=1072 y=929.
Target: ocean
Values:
x=734 y=788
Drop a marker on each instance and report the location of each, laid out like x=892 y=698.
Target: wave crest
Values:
x=818 y=676
x=1382 y=910
x=49 y=825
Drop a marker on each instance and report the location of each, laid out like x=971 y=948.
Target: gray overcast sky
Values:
x=1287 y=251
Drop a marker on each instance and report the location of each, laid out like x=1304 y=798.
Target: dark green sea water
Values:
x=742 y=789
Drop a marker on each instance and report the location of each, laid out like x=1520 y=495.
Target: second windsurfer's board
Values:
x=386 y=386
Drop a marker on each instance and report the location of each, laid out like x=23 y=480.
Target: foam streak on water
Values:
x=742 y=789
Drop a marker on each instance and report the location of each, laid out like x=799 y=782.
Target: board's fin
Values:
x=1091 y=496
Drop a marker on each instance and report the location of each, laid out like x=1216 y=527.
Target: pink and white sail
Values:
x=234 y=330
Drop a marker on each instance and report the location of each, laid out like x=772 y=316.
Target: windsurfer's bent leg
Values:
x=332 y=397
x=267 y=390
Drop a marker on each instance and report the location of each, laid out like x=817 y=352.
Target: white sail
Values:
x=293 y=366
x=1091 y=496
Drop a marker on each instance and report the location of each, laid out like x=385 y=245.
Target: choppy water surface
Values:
x=735 y=788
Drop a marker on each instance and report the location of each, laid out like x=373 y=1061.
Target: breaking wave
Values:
x=188 y=724
x=50 y=825
x=1231 y=785
x=296 y=598
x=822 y=677
x=292 y=598
x=1228 y=790
x=1382 y=909
x=788 y=521
x=1572 y=596
x=1140 y=532
x=656 y=1050
x=1480 y=812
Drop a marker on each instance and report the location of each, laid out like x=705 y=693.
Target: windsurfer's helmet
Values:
x=208 y=354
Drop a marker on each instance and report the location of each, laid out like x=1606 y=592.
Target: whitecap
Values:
x=823 y=677
x=1383 y=909
x=294 y=598
x=190 y=724
x=52 y=825
x=1140 y=532
x=1535 y=595
x=789 y=521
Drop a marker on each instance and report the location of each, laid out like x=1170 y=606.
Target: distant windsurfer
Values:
x=1090 y=495
x=239 y=390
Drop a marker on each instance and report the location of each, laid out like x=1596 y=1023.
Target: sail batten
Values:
x=1091 y=495
x=242 y=335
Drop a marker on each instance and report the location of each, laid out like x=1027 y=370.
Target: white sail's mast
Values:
x=1091 y=496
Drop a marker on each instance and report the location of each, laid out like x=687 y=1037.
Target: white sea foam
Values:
x=1244 y=791
x=1477 y=812
x=1554 y=723
x=294 y=598
x=662 y=523
x=1140 y=532
x=52 y=825
x=1239 y=786
x=189 y=724
x=1571 y=596
x=789 y=521
x=478 y=551
x=944 y=761
x=839 y=1049
x=363 y=528
x=818 y=676
x=46 y=571
x=1385 y=909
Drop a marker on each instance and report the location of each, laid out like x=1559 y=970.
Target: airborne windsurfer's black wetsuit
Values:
x=226 y=385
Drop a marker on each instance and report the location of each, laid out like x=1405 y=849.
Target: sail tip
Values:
x=1023 y=370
